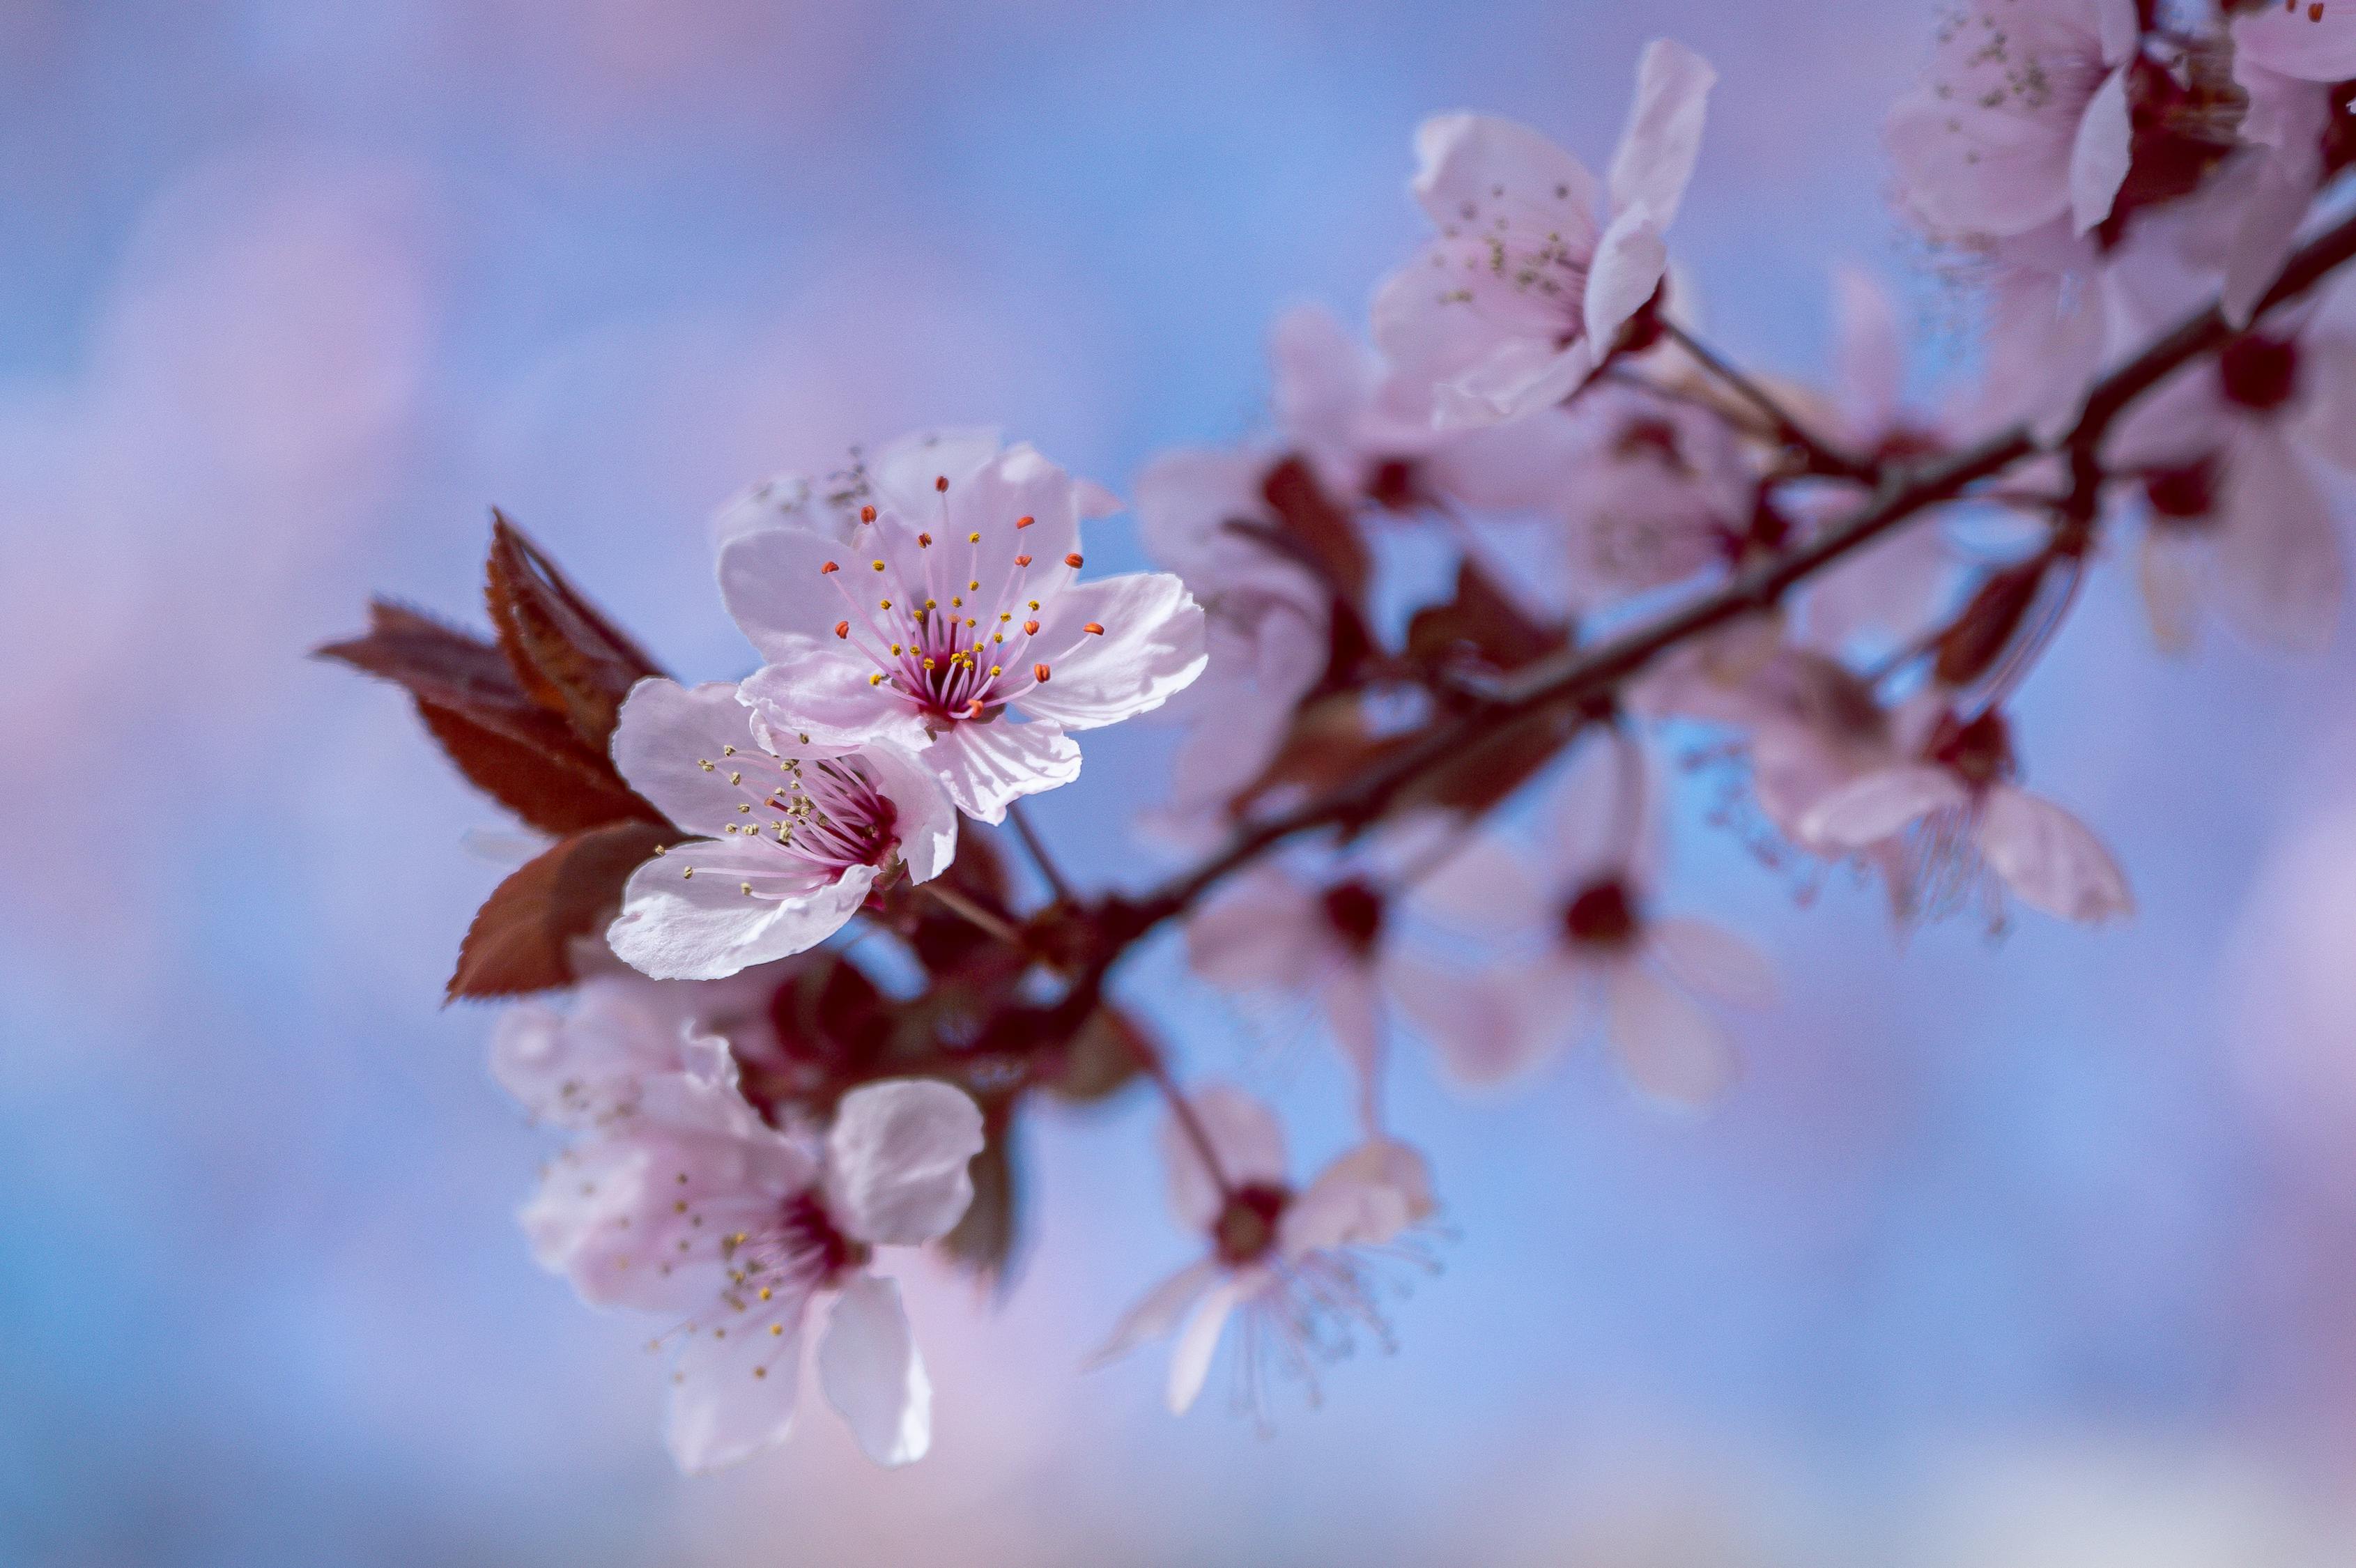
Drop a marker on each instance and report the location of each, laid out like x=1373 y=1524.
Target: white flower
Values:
x=798 y=832
x=949 y=595
x=1535 y=268
x=1296 y=1266
x=696 y=1208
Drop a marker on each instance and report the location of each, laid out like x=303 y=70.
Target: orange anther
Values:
x=924 y=541
x=941 y=482
x=1073 y=560
x=1094 y=627
x=1025 y=520
x=1039 y=674
x=1030 y=628
x=842 y=629
x=829 y=568
x=1022 y=560
x=867 y=514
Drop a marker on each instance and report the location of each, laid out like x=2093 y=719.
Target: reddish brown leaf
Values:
x=1492 y=767
x=985 y=1239
x=521 y=938
x=1321 y=534
x=1971 y=645
x=526 y=757
x=1103 y=1059
x=1482 y=619
x=566 y=655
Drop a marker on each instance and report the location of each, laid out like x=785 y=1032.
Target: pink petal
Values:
x=1669 y=1046
x=1148 y=647
x=1354 y=1012
x=708 y=926
x=1189 y=1362
x=735 y=1390
x=667 y=734
x=1713 y=961
x=896 y=1160
x=2287 y=39
x=1883 y=802
x=924 y=820
x=1663 y=139
x=827 y=694
x=987 y=765
x=1475 y=168
x=2280 y=572
x=775 y=583
x=1629 y=261
x=1264 y=928
x=2050 y=859
x=1158 y=1311
x=2098 y=155
x=868 y=1364
x=1367 y=1198
x=1245 y=1136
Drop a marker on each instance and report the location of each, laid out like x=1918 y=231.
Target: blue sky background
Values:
x=1999 y=1251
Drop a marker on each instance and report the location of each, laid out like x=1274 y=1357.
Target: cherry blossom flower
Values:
x=2300 y=38
x=697 y=1209
x=796 y=833
x=1270 y=929
x=1297 y=1268
x=1537 y=268
x=585 y=1065
x=1606 y=957
x=1267 y=623
x=1966 y=830
x=2021 y=119
x=2237 y=515
x=945 y=600
x=1646 y=490
x=1366 y=430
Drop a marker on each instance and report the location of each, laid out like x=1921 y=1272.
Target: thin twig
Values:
x=1038 y=851
x=956 y=903
x=1823 y=457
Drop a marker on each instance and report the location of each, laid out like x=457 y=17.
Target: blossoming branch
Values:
x=1445 y=827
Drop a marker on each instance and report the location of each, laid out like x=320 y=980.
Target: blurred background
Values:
x=2042 y=1254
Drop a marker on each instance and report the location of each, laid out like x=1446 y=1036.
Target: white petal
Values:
x=665 y=737
x=924 y=820
x=1519 y=376
x=1243 y=1134
x=2098 y=157
x=1658 y=150
x=735 y=1390
x=2286 y=38
x=825 y=694
x=1158 y=1312
x=2050 y=859
x=2280 y=568
x=1367 y=1198
x=1629 y=261
x=1883 y=802
x=868 y=1364
x=988 y=765
x=775 y=583
x=904 y=471
x=1475 y=1021
x=1713 y=961
x=706 y=927
x=1263 y=929
x=1669 y=1046
x=1150 y=648
x=1189 y=1362
x=896 y=1160
x=1474 y=168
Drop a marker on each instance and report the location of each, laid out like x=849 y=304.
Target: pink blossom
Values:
x=697 y=1209
x=1603 y=956
x=1537 y=268
x=1366 y=430
x=1267 y=627
x=2022 y=117
x=1965 y=830
x=1270 y=929
x=942 y=593
x=2237 y=515
x=1295 y=1267
x=2313 y=41
x=796 y=833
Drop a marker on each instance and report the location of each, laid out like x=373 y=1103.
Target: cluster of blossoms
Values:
x=1437 y=821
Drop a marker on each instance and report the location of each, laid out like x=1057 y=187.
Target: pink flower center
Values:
x=1354 y=910
x=823 y=811
x=2183 y=496
x=947 y=644
x=1601 y=917
x=1978 y=751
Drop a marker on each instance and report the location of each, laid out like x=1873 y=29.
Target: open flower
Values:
x=798 y=832
x=1603 y=955
x=1271 y=929
x=2022 y=117
x=1963 y=830
x=949 y=595
x=699 y=1209
x=1296 y=1267
x=1535 y=268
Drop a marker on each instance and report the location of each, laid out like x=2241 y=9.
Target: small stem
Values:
x=957 y=902
x=1039 y=856
x=1823 y=456
x=1183 y=1111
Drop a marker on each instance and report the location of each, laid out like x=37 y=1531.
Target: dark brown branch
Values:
x=1823 y=456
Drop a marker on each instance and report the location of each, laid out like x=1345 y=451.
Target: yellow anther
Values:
x=776 y=1328
x=743 y=806
x=974 y=538
x=994 y=670
x=879 y=565
x=884 y=604
x=928 y=664
x=930 y=605
x=735 y=778
x=702 y=763
x=764 y=1292
x=875 y=680
x=727 y=751
x=974 y=586
x=1034 y=604
x=745 y=889
x=683 y=876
